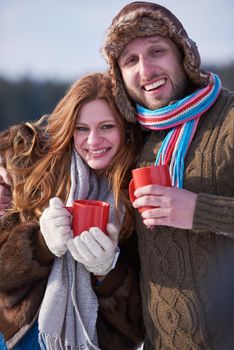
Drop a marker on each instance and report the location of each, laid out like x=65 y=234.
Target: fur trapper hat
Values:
x=143 y=19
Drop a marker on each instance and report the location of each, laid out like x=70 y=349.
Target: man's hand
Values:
x=95 y=250
x=173 y=206
x=5 y=190
x=55 y=225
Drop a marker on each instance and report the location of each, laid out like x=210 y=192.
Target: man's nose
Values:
x=146 y=68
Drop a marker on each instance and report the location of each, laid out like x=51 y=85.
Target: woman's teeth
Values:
x=98 y=151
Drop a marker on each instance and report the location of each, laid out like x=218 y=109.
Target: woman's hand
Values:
x=55 y=224
x=95 y=250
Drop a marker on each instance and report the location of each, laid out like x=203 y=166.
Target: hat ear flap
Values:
x=121 y=98
x=192 y=61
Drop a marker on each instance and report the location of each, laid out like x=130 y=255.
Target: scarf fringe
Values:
x=48 y=342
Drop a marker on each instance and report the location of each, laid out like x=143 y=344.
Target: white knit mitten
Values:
x=95 y=250
x=55 y=225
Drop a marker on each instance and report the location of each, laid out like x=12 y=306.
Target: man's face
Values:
x=152 y=71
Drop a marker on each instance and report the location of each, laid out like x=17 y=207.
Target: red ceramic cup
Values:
x=89 y=213
x=155 y=174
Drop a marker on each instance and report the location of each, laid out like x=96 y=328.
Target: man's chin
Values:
x=152 y=105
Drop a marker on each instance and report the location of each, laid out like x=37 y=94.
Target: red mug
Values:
x=88 y=213
x=155 y=174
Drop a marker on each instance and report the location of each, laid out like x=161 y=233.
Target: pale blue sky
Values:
x=58 y=39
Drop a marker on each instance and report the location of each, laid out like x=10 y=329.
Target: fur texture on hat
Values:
x=143 y=19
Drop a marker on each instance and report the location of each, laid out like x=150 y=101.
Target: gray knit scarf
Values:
x=68 y=314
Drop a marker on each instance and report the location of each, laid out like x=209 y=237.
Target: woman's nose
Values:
x=94 y=138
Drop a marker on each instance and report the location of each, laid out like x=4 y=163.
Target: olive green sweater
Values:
x=187 y=276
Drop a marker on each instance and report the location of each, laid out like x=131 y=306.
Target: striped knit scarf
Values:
x=181 y=118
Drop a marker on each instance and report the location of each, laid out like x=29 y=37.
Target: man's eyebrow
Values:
x=150 y=41
x=123 y=54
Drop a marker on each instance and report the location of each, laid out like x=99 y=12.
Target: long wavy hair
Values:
x=41 y=156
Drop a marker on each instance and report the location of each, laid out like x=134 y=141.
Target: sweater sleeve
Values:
x=214 y=214
x=120 y=321
x=23 y=259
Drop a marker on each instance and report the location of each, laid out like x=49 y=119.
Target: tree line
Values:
x=29 y=99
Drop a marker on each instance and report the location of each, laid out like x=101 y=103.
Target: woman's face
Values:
x=97 y=136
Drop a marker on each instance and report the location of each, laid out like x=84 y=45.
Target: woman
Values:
x=84 y=132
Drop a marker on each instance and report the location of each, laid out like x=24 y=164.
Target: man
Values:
x=187 y=257
x=186 y=242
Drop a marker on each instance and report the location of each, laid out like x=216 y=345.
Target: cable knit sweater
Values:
x=187 y=276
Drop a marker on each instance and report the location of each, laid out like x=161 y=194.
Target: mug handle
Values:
x=131 y=190
x=70 y=209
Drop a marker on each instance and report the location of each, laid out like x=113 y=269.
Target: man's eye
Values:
x=130 y=61
x=157 y=51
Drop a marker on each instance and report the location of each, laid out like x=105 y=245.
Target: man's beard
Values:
x=180 y=89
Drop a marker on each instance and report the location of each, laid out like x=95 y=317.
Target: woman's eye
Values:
x=107 y=126
x=81 y=128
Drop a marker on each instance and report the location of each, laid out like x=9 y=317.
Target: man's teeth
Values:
x=155 y=85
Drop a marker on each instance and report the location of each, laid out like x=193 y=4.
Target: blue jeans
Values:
x=28 y=342
x=2 y=343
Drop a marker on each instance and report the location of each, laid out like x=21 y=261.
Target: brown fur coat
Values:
x=25 y=260
x=24 y=267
